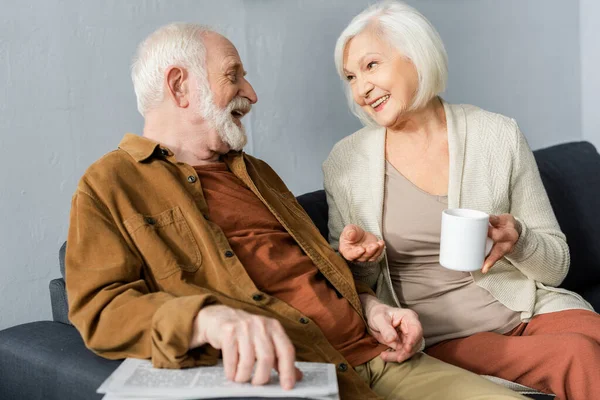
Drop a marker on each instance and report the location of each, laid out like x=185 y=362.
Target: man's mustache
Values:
x=240 y=104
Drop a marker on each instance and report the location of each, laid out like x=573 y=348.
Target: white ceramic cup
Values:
x=464 y=241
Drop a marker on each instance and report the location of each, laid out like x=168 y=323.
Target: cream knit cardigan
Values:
x=492 y=169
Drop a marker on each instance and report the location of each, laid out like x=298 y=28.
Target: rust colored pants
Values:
x=554 y=353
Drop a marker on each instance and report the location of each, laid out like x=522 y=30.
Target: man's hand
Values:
x=358 y=245
x=397 y=328
x=503 y=230
x=247 y=340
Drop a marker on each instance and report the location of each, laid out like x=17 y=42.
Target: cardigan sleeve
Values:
x=541 y=252
x=337 y=200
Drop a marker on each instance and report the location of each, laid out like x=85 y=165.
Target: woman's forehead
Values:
x=365 y=43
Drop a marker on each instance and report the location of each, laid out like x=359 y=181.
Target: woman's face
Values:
x=382 y=80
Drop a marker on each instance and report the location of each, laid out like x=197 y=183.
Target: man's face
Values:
x=229 y=95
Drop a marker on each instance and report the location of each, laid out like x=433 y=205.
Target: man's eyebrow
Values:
x=234 y=65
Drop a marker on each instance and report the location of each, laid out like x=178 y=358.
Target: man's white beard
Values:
x=222 y=119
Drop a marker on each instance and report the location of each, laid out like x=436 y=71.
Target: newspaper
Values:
x=137 y=379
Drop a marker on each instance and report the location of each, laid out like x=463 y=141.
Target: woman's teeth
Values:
x=380 y=101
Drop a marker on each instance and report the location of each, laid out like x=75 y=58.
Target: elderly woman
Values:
x=388 y=183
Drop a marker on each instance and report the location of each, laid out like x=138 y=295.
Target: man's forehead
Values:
x=219 y=48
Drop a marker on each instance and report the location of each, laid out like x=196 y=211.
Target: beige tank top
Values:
x=449 y=303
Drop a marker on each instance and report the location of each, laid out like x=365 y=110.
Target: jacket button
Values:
x=304 y=320
x=257 y=297
x=343 y=367
x=191 y=179
x=150 y=220
x=229 y=254
x=164 y=152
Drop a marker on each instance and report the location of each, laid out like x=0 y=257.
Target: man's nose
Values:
x=248 y=92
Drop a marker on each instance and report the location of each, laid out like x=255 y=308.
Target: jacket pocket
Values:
x=165 y=242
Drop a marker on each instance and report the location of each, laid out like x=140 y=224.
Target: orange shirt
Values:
x=278 y=266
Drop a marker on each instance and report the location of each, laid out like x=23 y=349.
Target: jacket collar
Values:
x=139 y=147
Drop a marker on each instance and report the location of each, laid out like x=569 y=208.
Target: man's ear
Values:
x=177 y=85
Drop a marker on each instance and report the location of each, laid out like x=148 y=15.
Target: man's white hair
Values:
x=411 y=34
x=178 y=44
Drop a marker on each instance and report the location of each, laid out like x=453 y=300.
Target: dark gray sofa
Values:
x=48 y=360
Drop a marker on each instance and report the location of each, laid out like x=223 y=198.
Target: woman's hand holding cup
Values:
x=358 y=245
x=504 y=232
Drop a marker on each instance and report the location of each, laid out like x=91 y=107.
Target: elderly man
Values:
x=183 y=249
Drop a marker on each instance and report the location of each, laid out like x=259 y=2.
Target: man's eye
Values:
x=233 y=78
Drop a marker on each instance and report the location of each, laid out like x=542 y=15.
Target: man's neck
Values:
x=197 y=145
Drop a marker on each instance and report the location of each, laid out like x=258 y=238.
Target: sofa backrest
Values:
x=571 y=176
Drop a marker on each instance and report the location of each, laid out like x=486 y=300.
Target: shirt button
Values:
x=150 y=220
x=191 y=179
x=304 y=320
x=164 y=152
x=229 y=254
x=257 y=297
x=343 y=367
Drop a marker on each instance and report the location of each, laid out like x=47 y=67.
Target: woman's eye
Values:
x=371 y=65
x=349 y=77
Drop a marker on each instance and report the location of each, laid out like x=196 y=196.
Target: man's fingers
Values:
x=299 y=374
x=286 y=356
x=265 y=355
x=229 y=349
x=395 y=356
x=388 y=332
x=412 y=332
x=247 y=355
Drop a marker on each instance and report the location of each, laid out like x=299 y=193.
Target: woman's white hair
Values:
x=411 y=34
x=178 y=44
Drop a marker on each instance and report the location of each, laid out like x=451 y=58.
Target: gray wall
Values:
x=590 y=70
x=66 y=97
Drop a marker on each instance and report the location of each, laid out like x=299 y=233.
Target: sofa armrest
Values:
x=58 y=299
x=48 y=360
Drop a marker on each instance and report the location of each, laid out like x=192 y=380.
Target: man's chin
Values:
x=237 y=147
x=235 y=144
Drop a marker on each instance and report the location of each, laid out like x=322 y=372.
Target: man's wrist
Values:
x=199 y=328
x=197 y=339
x=368 y=303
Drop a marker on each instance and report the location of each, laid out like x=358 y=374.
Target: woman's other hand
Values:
x=358 y=245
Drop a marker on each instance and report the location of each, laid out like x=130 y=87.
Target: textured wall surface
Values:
x=66 y=96
x=590 y=70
